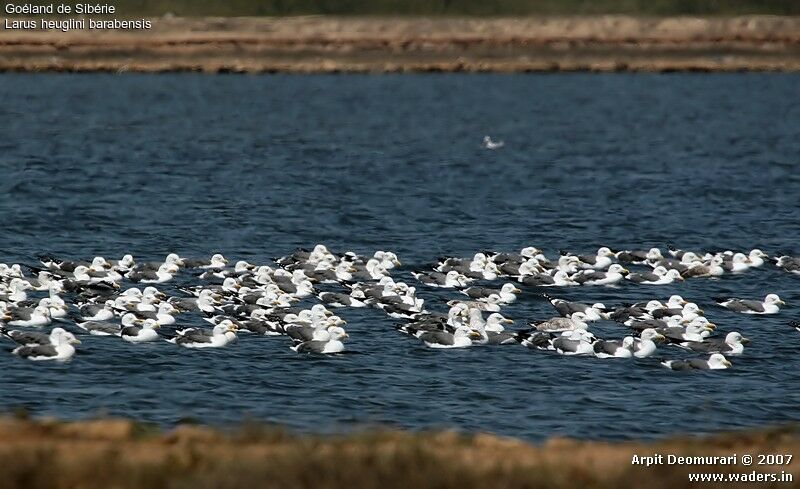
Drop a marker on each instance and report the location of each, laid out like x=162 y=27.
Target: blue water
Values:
x=254 y=166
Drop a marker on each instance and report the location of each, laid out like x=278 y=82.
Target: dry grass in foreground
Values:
x=121 y=454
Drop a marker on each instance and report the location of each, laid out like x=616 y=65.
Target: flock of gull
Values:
x=134 y=302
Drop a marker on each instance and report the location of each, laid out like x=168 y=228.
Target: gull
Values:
x=462 y=337
x=61 y=348
x=221 y=335
x=488 y=143
x=645 y=345
x=614 y=348
x=769 y=306
x=327 y=342
x=507 y=293
x=716 y=361
x=733 y=344
x=556 y=325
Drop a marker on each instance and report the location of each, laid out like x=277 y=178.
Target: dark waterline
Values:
x=255 y=166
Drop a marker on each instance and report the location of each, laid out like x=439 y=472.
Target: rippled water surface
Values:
x=254 y=166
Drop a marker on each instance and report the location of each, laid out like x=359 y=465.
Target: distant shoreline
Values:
x=124 y=454
x=317 y=44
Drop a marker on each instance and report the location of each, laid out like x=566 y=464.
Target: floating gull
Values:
x=613 y=275
x=614 y=348
x=716 y=361
x=733 y=344
x=217 y=261
x=507 y=293
x=659 y=276
x=61 y=348
x=788 y=263
x=556 y=325
x=221 y=335
x=645 y=345
x=594 y=312
x=145 y=332
x=745 y=306
x=329 y=341
x=461 y=338
x=30 y=317
x=488 y=143
x=573 y=343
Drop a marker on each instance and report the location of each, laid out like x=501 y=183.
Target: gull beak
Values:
x=516 y=290
x=745 y=340
x=727 y=363
x=156 y=325
x=680 y=278
x=76 y=341
x=625 y=271
x=781 y=303
x=474 y=334
x=328 y=313
x=508 y=321
x=225 y=261
x=660 y=338
x=346 y=335
x=341 y=321
x=711 y=325
x=701 y=312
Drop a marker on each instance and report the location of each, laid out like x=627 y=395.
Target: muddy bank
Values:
x=122 y=454
x=358 y=44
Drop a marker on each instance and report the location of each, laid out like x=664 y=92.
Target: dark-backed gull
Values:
x=732 y=344
x=461 y=338
x=769 y=306
x=507 y=293
x=221 y=335
x=28 y=338
x=573 y=343
x=61 y=348
x=594 y=312
x=599 y=261
x=162 y=274
x=217 y=261
x=30 y=317
x=329 y=341
x=614 y=274
x=140 y=334
x=614 y=348
x=716 y=361
x=659 y=276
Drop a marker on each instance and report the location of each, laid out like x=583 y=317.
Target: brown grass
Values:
x=120 y=454
x=403 y=44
